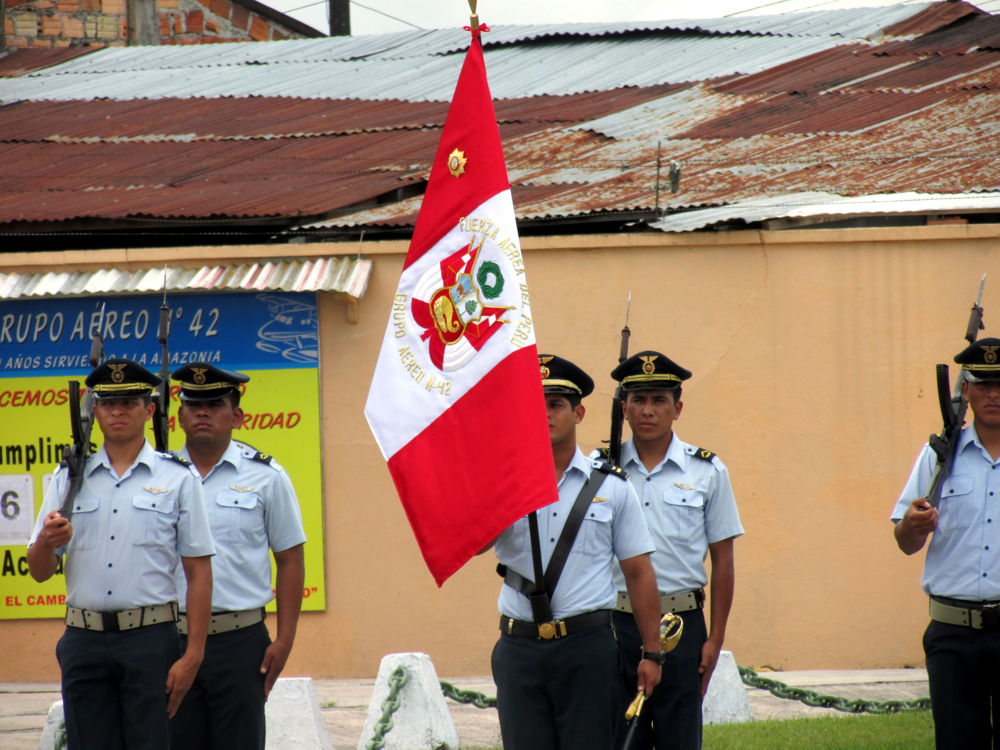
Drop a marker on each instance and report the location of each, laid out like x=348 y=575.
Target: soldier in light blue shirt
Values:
x=253 y=512
x=556 y=665
x=962 y=568
x=137 y=516
x=688 y=502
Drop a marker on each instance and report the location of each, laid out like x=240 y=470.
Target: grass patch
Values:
x=906 y=731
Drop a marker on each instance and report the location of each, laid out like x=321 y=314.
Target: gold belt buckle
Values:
x=547 y=630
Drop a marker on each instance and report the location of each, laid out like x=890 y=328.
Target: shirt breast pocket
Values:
x=957 y=507
x=595 y=530
x=235 y=515
x=85 y=522
x=684 y=511
x=153 y=517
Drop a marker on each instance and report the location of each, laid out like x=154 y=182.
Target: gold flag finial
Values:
x=473 y=19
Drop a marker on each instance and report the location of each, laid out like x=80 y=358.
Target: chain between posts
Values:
x=399 y=677
x=848 y=705
x=467 y=696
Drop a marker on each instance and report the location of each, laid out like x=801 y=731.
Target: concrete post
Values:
x=726 y=701
x=422 y=721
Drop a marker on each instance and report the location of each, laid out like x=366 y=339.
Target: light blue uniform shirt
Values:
x=963 y=557
x=252 y=509
x=612 y=527
x=688 y=504
x=129 y=532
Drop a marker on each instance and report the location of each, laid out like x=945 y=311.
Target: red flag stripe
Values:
x=454 y=456
x=470 y=126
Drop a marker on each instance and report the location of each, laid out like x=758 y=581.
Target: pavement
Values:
x=344 y=703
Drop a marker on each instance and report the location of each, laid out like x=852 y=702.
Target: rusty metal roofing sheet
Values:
x=850 y=121
x=22 y=60
x=346 y=275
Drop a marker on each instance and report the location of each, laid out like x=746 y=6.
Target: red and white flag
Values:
x=456 y=401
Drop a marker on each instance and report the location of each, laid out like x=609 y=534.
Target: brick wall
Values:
x=101 y=23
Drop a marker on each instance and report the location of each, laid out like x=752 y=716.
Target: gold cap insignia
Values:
x=117 y=375
x=457 y=162
x=647 y=364
x=199 y=374
x=542 y=362
x=990 y=354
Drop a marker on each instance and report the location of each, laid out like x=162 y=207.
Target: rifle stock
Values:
x=953 y=409
x=81 y=415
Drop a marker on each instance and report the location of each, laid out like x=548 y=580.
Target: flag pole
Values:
x=473 y=19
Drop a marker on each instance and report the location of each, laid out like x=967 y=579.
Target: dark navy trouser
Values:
x=559 y=694
x=671 y=717
x=963 y=670
x=225 y=706
x=114 y=687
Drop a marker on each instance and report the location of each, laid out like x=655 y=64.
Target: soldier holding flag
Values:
x=557 y=665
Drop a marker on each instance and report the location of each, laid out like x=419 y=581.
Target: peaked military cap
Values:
x=201 y=381
x=649 y=370
x=562 y=376
x=981 y=360
x=121 y=378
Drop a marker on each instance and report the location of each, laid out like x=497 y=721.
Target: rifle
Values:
x=81 y=415
x=615 y=439
x=953 y=408
x=161 y=417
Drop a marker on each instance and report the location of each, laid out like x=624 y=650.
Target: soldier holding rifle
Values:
x=688 y=502
x=962 y=568
x=137 y=512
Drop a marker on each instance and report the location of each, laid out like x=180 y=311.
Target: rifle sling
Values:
x=541 y=597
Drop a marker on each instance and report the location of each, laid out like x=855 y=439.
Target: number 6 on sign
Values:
x=17 y=508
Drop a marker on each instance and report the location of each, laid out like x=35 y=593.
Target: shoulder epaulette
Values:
x=615 y=471
x=704 y=453
x=252 y=453
x=177 y=459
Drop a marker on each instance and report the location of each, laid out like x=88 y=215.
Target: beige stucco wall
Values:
x=813 y=355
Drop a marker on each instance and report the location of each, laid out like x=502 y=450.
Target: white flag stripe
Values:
x=407 y=374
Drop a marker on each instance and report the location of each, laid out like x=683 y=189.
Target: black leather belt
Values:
x=556 y=628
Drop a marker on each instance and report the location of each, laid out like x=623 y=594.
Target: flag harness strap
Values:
x=541 y=596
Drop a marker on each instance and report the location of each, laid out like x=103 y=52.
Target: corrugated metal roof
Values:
x=21 y=60
x=747 y=107
x=817 y=205
x=421 y=65
x=345 y=275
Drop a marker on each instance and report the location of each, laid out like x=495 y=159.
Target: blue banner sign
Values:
x=237 y=331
